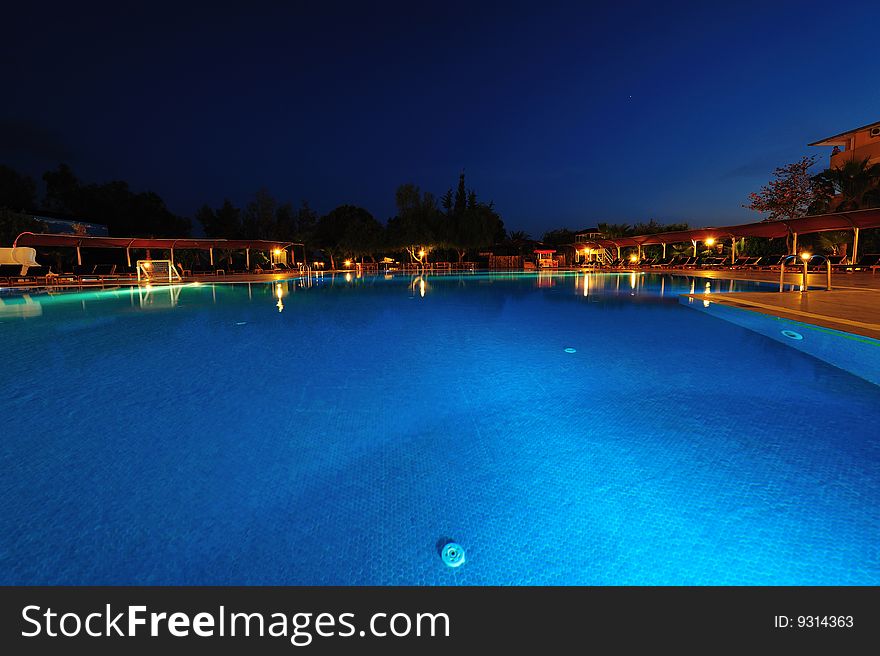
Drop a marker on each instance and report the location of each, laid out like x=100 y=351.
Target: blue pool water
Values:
x=346 y=431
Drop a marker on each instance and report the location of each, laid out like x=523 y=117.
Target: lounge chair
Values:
x=671 y=262
x=34 y=275
x=870 y=261
x=96 y=273
x=8 y=271
x=771 y=261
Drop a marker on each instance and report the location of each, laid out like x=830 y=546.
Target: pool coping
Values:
x=843 y=324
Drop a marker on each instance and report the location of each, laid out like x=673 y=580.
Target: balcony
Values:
x=870 y=150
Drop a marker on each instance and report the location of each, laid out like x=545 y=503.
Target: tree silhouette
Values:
x=789 y=194
x=17 y=192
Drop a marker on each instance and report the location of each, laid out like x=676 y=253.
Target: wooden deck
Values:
x=110 y=281
x=852 y=305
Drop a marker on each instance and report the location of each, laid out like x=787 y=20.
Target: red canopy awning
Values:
x=79 y=241
x=767 y=229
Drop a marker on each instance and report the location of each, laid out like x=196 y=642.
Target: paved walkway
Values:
x=853 y=304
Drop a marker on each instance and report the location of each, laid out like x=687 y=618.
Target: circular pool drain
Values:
x=792 y=334
x=453 y=554
x=571 y=350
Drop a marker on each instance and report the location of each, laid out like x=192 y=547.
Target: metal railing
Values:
x=792 y=259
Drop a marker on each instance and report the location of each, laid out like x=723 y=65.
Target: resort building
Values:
x=854 y=145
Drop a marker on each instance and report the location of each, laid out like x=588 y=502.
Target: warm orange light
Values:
x=147 y=265
x=806 y=256
x=422 y=253
x=347 y=263
x=277 y=251
x=633 y=258
x=710 y=241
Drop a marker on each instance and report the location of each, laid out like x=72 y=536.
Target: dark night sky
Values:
x=563 y=114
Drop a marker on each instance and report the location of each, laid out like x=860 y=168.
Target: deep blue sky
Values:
x=562 y=113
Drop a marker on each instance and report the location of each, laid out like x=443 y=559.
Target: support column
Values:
x=79 y=259
x=664 y=250
x=618 y=252
x=694 y=242
x=128 y=255
x=855 y=252
x=794 y=243
x=733 y=251
x=247 y=259
x=211 y=255
x=640 y=254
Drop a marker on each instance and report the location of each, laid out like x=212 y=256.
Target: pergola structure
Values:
x=79 y=242
x=856 y=220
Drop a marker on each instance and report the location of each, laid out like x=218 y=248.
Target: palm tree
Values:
x=615 y=229
x=856 y=184
x=519 y=239
x=835 y=241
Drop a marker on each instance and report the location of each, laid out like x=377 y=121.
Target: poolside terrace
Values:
x=851 y=305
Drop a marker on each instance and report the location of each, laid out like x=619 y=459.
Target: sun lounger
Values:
x=869 y=262
x=771 y=261
x=34 y=275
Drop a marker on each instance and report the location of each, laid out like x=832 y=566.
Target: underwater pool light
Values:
x=792 y=334
x=571 y=350
x=453 y=554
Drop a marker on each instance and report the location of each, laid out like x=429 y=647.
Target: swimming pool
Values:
x=340 y=430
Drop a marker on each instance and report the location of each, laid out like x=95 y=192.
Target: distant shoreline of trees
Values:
x=424 y=227
x=456 y=225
